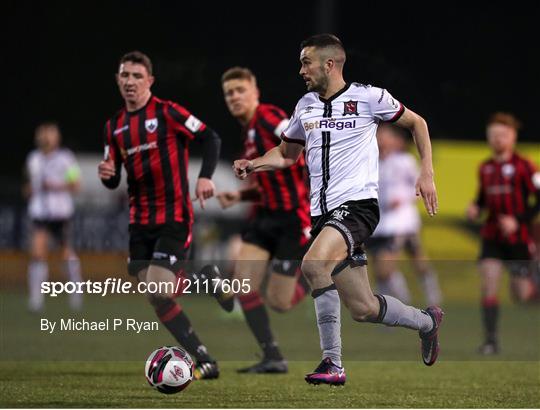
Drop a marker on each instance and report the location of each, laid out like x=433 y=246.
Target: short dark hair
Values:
x=504 y=118
x=322 y=41
x=137 y=57
x=238 y=73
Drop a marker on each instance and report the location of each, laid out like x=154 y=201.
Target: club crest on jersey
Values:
x=508 y=170
x=151 y=124
x=350 y=107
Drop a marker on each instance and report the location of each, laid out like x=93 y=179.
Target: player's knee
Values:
x=277 y=303
x=365 y=311
x=68 y=253
x=38 y=253
x=159 y=299
x=312 y=269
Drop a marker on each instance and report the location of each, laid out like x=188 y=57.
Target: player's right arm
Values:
x=110 y=169
x=475 y=208
x=251 y=193
x=283 y=156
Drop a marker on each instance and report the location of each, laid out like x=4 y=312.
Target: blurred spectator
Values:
x=53 y=175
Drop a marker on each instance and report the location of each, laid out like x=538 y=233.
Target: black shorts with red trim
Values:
x=355 y=220
x=59 y=229
x=516 y=257
x=165 y=245
x=281 y=233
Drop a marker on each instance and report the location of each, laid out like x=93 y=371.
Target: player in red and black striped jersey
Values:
x=507 y=183
x=279 y=230
x=150 y=138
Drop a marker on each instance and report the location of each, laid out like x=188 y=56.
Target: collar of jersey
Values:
x=336 y=95
x=130 y=113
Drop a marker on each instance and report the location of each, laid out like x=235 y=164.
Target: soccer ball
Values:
x=169 y=369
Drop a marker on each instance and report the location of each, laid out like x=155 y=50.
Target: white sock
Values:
x=383 y=287
x=328 y=310
x=430 y=286
x=398 y=287
x=38 y=271
x=72 y=270
x=399 y=314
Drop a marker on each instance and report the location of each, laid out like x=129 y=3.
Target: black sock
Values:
x=490 y=315
x=259 y=323
x=177 y=322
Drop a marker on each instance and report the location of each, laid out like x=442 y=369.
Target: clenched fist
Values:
x=242 y=168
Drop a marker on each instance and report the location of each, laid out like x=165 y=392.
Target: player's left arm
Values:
x=425 y=186
x=211 y=143
x=532 y=186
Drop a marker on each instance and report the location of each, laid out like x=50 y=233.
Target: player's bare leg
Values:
x=326 y=265
x=175 y=320
x=490 y=274
x=280 y=291
x=38 y=270
x=317 y=265
x=523 y=289
x=286 y=286
x=251 y=266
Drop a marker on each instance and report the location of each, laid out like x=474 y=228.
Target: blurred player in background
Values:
x=399 y=224
x=279 y=229
x=53 y=177
x=336 y=123
x=150 y=137
x=506 y=183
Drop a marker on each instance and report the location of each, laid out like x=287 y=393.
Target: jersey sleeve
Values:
x=532 y=177
x=532 y=184
x=184 y=121
x=480 y=199
x=110 y=148
x=112 y=152
x=274 y=120
x=383 y=106
x=294 y=131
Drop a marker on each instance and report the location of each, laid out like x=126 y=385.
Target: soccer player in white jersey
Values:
x=53 y=177
x=336 y=123
x=399 y=225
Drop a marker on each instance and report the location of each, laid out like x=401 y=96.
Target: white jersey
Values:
x=340 y=141
x=56 y=167
x=398 y=173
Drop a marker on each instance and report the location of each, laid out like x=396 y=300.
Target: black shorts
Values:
x=517 y=258
x=59 y=229
x=410 y=243
x=165 y=245
x=279 y=232
x=355 y=220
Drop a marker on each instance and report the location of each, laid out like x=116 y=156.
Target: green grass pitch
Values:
x=383 y=365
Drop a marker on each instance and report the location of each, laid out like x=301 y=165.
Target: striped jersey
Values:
x=54 y=168
x=152 y=144
x=283 y=190
x=339 y=135
x=505 y=189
